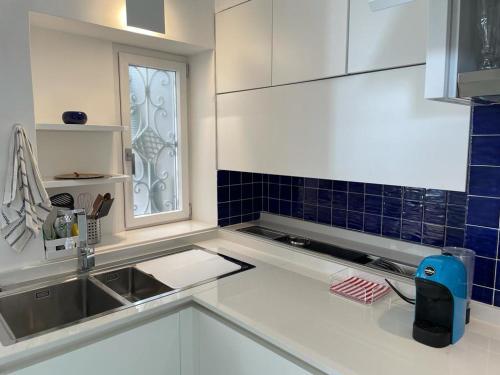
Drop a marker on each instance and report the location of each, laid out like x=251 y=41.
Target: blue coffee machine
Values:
x=441 y=301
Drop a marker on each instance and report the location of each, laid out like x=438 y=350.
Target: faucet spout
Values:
x=86 y=259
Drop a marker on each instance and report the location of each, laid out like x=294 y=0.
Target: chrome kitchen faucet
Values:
x=86 y=259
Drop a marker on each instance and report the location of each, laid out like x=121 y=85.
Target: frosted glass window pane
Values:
x=154 y=130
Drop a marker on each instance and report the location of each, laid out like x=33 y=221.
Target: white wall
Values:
x=72 y=72
x=90 y=84
x=189 y=21
x=16 y=104
x=62 y=82
x=220 y=5
x=202 y=137
x=186 y=21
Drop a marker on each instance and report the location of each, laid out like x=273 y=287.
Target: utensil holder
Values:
x=61 y=247
x=93 y=231
x=61 y=244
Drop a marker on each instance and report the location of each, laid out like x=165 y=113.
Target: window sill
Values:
x=149 y=235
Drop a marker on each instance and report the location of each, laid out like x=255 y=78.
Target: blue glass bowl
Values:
x=74 y=117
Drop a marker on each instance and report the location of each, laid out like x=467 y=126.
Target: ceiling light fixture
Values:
x=146 y=14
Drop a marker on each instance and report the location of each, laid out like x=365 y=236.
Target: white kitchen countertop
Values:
x=288 y=304
x=155 y=233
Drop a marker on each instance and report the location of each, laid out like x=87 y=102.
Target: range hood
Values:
x=482 y=86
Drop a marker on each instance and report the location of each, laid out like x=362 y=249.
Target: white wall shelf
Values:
x=51 y=182
x=80 y=128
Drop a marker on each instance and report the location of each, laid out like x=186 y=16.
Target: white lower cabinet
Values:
x=189 y=342
x=220 y=349
x=153 y=348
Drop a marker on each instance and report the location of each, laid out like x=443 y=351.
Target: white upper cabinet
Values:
x=309 y=39
x=375 y=128
x=221 y=5
x=243 y=39
x=388 y=38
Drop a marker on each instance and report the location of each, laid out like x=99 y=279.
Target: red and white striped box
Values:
x=357 y=286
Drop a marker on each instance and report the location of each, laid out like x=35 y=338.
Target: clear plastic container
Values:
x=468 y=257
x=341 y=284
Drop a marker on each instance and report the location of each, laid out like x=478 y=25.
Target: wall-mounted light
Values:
x=376 y=5
x=146 y=14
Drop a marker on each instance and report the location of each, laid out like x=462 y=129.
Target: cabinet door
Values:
x=152 y=349
x=375 y=128
x=387 y=38
x=309 y=39
x=243 y=46
x=235 y=353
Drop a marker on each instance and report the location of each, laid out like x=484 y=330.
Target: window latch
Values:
x=130 y=156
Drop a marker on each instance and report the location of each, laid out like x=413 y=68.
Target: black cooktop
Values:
x=350 y=255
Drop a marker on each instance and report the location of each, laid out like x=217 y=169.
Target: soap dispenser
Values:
x=441 y=301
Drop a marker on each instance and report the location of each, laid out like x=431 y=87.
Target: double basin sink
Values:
x=56 y=306
x=29 y=313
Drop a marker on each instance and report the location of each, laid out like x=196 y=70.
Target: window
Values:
x=153 y=107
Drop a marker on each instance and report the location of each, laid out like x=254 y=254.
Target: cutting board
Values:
x=187 y=268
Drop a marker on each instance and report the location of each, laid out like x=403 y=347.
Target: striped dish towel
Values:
x=360 y=290
x=25 y=204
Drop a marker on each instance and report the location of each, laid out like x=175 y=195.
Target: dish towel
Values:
x=360 y=290
x=25 y=204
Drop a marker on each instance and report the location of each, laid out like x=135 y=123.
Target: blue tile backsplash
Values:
x=426 y=216
x=240 y=196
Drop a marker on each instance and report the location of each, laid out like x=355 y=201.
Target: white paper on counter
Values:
x=187 y=268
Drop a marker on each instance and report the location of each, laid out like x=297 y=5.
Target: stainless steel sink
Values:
x=29 y=313
x=37 y=307
x=132 y=284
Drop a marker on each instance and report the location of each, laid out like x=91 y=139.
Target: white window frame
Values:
x=124 y=60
